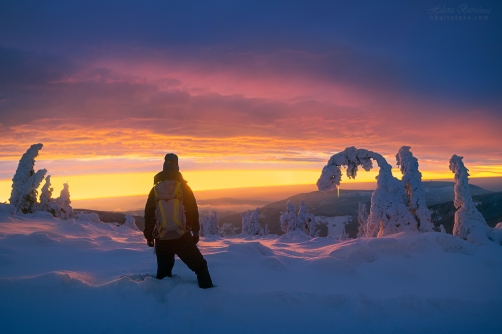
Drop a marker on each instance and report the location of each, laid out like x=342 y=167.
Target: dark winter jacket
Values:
x=191 y=210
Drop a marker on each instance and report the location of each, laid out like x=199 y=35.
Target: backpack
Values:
x=170 y=220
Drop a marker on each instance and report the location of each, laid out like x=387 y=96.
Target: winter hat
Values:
x=171 y=162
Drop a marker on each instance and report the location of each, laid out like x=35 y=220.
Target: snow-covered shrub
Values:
x=251 y=222
x=442 y=229
x=227 y=230
x=26 y=181
x=209 y=225
x=469 y=225
x=362 y=218
x=288 y=219
x=388 y=213
x=412 y=179
x=130 y=222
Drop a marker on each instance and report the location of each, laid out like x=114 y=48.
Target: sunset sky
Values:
x=247 y=93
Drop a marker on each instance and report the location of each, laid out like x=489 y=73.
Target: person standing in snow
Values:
x=172 y=223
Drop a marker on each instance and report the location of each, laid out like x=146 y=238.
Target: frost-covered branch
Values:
x=388 y=213
x=412 y=179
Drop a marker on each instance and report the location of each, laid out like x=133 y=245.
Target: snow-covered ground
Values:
x=82 y=276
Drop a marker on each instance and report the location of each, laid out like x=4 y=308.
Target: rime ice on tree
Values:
x=209 y=225
x=388 y=213
x=412 y=180
x=25 y=182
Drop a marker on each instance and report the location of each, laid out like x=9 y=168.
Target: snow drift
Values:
x=84 y=276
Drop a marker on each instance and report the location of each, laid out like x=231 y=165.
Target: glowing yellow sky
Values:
x=115 y=185
x=127 y=184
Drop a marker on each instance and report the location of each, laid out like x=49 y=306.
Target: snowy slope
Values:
x=81 y=276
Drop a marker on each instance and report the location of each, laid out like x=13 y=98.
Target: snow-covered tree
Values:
x=306 y=221
x=362 y=218
x=469 y=225
x=63 y=202
x=265 y=231
x=245 y=221
x=254 y=222
x=209 y=225
x=442 y=229
x=344 y=235
x=412 y=179
x=130 y=222
x=227 y=230
x=251 y=222
x=46 y=194
x=47 y=203
x=388 y=213
x=301 y=220
x=59 y=207
x=499 y=226
x=26 y=181
x=288 y=219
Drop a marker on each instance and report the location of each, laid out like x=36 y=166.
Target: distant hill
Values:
x=439 y=196
x=490 y=206
x=329 y=204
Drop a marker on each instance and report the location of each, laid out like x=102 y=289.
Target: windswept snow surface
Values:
x=84 y=276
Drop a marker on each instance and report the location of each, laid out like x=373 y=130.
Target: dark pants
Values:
x=188 y=252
